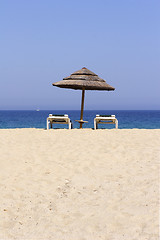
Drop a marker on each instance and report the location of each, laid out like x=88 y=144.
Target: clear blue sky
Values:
x=42 y=41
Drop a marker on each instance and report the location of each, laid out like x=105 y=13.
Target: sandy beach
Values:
x=79 y=184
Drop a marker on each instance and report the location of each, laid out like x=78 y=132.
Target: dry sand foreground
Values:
x=79 y=184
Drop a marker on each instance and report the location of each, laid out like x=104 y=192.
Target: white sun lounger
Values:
x=58 y=119
x=105 y=119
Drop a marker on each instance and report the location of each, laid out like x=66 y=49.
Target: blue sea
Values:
x=37 y=119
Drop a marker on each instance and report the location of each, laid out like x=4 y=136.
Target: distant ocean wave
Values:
x=146 y=119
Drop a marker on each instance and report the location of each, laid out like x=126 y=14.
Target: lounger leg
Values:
x=69 y=125
x=95 y=125
x=116 y=124
x=47 y=124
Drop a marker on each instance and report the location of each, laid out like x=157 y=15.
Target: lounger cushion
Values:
x=105 y=115
x=58 y=120
x=57 y=115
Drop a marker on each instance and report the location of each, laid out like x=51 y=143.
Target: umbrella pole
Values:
x=82 y=106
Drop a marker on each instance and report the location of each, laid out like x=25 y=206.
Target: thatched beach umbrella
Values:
x=83 y=80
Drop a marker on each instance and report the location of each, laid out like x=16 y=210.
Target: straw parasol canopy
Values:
x=83 y=80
